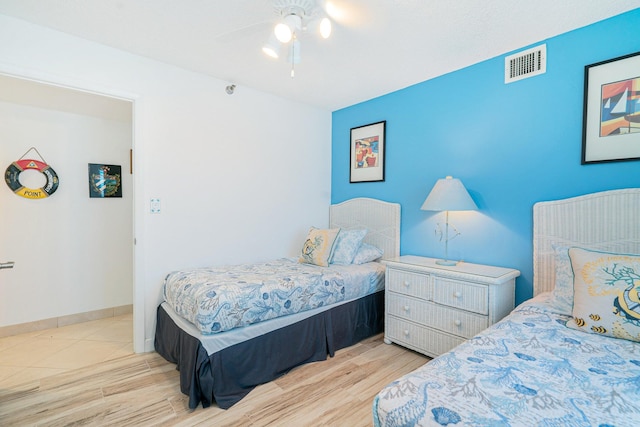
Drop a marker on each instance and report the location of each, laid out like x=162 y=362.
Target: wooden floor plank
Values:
x=140 y=390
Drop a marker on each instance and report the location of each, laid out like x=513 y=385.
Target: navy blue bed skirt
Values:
x=225 y=377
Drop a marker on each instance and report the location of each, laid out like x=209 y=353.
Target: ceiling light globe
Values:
x=283 y=33
x=269 y=51
x=272 y=48
x=325 y=28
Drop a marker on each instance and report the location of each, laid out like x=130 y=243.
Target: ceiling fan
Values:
x=295 y=18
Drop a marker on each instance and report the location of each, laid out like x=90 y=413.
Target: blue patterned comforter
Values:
x=527 y=370
x=219 y=299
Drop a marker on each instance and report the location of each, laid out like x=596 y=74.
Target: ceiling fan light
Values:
x=272 y=47
x=285 y=29
x=270 y=51
x=283 y=32
x=325 y=28
x=334 y=11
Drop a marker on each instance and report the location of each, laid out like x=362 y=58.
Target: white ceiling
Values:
x=377 y=46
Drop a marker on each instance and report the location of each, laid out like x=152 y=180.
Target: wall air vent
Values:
x=528 y=63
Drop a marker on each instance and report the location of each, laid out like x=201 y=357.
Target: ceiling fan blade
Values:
x=250 y=30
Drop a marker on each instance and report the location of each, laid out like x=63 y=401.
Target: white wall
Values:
x=240 y=178
x=73 y=254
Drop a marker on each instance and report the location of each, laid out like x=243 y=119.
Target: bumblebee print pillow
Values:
x=606 y=293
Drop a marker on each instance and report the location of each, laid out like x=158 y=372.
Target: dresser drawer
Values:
x=419 y=338
x=463 y=295
x=408 y=283
x=444 y=318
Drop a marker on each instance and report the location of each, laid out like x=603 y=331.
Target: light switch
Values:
x=155 y=206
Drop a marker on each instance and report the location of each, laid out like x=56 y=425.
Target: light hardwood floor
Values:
x=143 y=390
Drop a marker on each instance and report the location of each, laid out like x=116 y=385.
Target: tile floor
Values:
x=36 y=355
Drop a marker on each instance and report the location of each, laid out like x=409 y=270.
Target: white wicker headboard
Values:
x=608 y=221
x=382 y=219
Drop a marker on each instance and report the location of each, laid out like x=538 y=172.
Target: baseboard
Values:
x=149 y=345
x=56 y=322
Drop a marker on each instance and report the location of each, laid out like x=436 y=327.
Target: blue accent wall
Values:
x=512 y=145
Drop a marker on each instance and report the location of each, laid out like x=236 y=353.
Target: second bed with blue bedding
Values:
x=527 y=370
x=229 y=329
x=568 y=357
x=219 y=299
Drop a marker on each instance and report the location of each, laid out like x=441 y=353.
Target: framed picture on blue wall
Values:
x=366 y=155
x=611 y=123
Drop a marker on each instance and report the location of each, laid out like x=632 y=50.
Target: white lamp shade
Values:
x=325 y=28
x=270 y=51
x=272 y=47
x=283 y=32
x=449 y=195
x=285 y=29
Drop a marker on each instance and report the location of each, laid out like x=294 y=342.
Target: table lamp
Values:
x=448 y=195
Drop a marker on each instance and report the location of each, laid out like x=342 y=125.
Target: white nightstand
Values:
x=432 y=308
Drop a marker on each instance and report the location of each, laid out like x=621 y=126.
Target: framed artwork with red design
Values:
x=366 y=156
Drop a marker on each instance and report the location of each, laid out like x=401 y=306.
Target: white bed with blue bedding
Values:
x=568 y=357
x=222 y=298
x=231 y=328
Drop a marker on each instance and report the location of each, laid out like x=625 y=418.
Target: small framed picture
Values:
x=366 y=158
x=611 y=123
x=105 y=180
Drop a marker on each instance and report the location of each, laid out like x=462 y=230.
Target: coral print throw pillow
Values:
x=606 y=296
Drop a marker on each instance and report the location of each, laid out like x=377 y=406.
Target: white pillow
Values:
x=367 y=253
x=562 y=294
x=347 y=244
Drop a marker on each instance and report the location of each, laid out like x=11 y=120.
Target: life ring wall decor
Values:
x=12 y=178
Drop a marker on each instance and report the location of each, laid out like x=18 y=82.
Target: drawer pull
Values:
x=406 y=308
x=457 y=294
x=406 y=332
x=457 y=322
x=406 y=283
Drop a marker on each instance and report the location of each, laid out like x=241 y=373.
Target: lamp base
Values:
x=446 y=262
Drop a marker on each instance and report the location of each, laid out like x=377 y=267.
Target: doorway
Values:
x=73 y=254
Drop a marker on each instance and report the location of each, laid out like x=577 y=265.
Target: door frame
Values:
x=137 y=240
